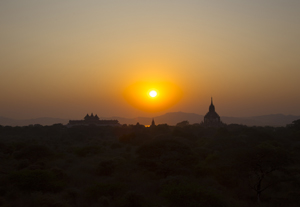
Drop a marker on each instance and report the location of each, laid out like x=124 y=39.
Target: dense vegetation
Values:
x=132 y=166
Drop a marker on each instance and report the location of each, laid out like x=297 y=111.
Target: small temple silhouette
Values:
x=212 y=119
x=152 y=123
x=93 y=120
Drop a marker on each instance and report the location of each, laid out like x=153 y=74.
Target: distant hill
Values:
x=176 y=117
x=265 y=120
x=25 y=122
x=169 y=118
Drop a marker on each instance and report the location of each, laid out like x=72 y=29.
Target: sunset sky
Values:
x=66 y=58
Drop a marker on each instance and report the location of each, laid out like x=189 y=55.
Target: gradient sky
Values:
x=66 y=58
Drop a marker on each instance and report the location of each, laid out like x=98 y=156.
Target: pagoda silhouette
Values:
x=212 y=118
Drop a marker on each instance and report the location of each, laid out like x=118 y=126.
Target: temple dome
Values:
x=212 y=118
x=212 y=114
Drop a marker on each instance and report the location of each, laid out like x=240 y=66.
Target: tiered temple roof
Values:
x=93 y=120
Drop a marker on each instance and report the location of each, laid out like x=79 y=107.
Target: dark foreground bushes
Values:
x=166 y=157
x=136 y=166
x=36 y=180
x=34 y=152
x=182 y=192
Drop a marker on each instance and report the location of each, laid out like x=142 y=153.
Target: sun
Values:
x=153 y=93
x=152 y=96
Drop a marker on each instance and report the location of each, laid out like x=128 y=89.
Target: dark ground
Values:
x=184 y=165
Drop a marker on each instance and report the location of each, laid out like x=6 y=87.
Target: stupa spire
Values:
x=211 y=107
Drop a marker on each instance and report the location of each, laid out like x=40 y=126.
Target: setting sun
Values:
x=153 y=93
x=144 y=95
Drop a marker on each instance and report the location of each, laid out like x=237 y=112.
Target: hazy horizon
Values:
x=81 y=117
x=65 y=59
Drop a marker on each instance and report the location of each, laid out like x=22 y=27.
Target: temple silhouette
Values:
x=212 y=118
x=152 y=123
x=93 y=120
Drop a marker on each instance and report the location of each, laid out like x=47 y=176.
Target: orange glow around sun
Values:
x=152 y=97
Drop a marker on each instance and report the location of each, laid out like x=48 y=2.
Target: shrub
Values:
x=5 y=148
x=23 y=164
x=127 y=138
x=179 y=132
x=35 y=180
x=44 y=200
x=72 y=195
x=184 y=193
x=109 y=190
x=166 y=157
x=34 y=152
x=87 y=150
x=107 y=167
x=159 y=148
x=132 y=199
x=116 y=145
x=104 y=201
